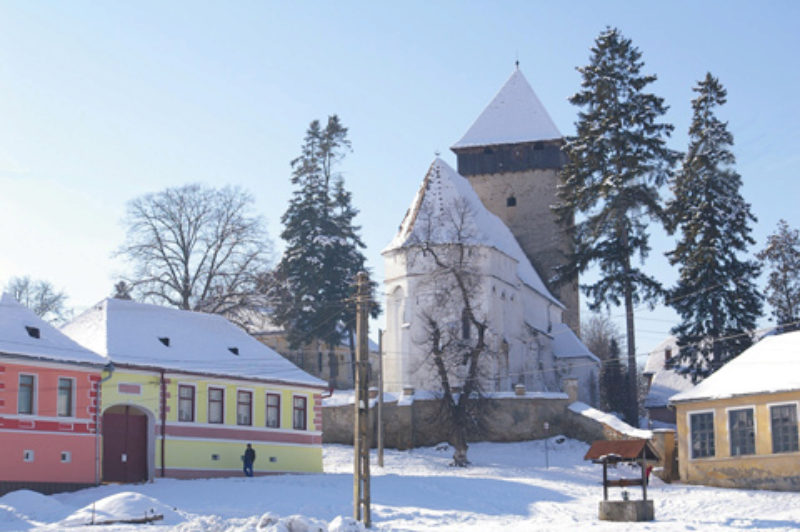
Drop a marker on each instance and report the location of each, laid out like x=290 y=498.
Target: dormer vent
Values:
x=234 y=350
x=164 y=340
x=33 y=332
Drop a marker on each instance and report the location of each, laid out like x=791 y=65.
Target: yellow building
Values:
x=739 y=427
x=188 y=391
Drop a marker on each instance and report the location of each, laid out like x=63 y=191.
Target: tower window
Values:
x=511 y=201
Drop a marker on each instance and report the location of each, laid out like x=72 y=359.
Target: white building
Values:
x=528 y=343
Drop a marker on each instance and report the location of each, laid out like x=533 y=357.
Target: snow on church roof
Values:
x=771 y=365
x=514 y=115
x=19 y=327
x=567 y=345
x=128 y=332
x=441 y=191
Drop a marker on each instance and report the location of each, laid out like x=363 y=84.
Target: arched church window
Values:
x=466 y=330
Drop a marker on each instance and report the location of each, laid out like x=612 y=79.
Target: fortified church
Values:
x=496 y=206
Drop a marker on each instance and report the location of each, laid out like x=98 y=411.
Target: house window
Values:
x=215 y=405
x=273 y=410
x=185 y=402
x=702 y=430
x=784 y=428
x=65 y=397
x=244 y=407
x=25 y=403
x=742 y=432
x=299 y=413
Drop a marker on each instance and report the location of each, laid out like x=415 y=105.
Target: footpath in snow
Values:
x=508 y=488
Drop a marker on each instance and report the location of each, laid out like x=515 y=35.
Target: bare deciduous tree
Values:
x=41 y=297
x=457 y=338
x=196 y=248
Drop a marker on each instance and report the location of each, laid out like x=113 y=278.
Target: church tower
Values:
x=512 y=157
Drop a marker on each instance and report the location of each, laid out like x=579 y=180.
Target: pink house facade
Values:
x=48 y=405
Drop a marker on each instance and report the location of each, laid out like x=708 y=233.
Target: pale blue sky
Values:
x=104 y=101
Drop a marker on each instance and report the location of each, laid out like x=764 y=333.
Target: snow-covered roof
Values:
x=771 y=365
x=442 y=193
x=567 y=345
x=665 y=382
x=128 y=332
x=514 y=115
x=611 y=420
x=655 y=359
x=18 y=327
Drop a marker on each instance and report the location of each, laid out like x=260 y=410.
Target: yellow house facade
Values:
x=188 y=391
x=739 y=427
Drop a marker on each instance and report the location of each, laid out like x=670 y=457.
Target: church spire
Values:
x=515 y=115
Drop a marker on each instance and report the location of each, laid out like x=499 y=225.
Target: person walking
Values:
x=248 y=459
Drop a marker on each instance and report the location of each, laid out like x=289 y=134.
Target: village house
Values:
x=497 y=205
x=739 y=427
x=187 y=392
x=663 y=379
x=48 y=405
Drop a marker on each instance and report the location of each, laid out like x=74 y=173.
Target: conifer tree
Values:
x=782 y=254
x=715 y=297
x=613 y=384
x=616 y=163
x=314 y=283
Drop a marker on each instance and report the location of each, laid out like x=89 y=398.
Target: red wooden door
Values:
x=124 y=446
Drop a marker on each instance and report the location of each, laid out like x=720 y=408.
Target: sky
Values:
x=101 y=102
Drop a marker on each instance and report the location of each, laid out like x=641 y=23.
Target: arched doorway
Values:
x=124 y=444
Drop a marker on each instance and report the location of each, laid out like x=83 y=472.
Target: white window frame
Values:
x=65 y=457
x=267 y=393
x=223 y=389
x=307 y=424
x=729 y=409
x=252 y=407
x=797 y=422
x=34 y=393
x=194 y=401
x=73 y=399
x=689 y=415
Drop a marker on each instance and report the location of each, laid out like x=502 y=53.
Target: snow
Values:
x=507 y=488
x=514 y=115
x=347 y=397
x=665 y=382
x=129 y=332
x=442 y=190
x=771 y=365
x=567 y=345
x=51 y=344
x=611 y=420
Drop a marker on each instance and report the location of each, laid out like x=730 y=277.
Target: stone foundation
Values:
x=626 y=511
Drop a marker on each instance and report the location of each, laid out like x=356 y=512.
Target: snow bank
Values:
x=611 y=420
x=33 y=506
x=122 y=507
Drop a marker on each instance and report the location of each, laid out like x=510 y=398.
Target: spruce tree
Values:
x=716 y=296
x=314 y=283
x=616 y=163
x=782 y=254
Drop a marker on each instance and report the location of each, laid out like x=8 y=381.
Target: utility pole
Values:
x=361 y=499
x=380 y=398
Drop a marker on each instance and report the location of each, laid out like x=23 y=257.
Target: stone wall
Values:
x=414 y=422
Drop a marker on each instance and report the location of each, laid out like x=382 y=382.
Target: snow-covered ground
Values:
x=508 y=488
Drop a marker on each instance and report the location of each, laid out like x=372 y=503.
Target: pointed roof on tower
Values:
x=444 y=190
x=515 y=115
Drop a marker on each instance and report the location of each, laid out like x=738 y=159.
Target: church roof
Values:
x=514 y=115
x=442 y=193
x=141 y=334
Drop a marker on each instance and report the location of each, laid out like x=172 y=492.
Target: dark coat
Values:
x=250 y=455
